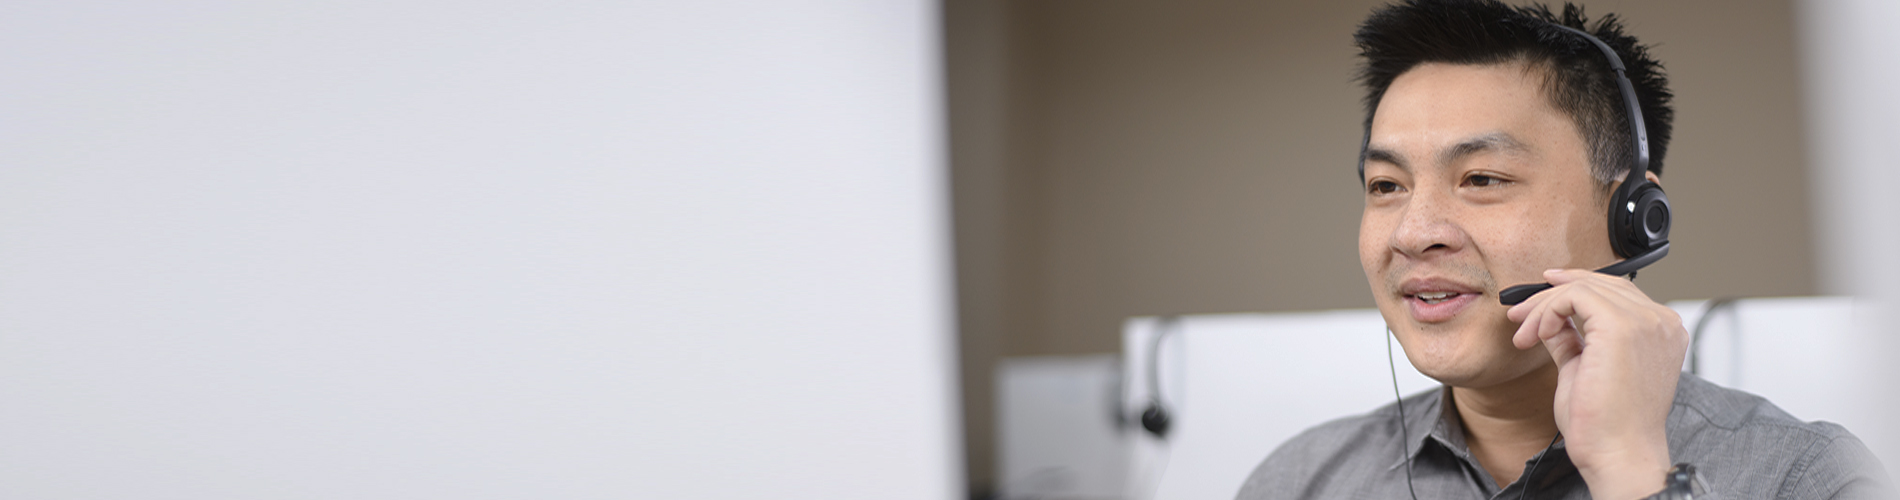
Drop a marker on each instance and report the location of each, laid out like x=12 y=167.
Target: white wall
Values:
x=1852 y=66
x=473 y=250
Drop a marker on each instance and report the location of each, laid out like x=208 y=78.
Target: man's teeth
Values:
x=1435 y=297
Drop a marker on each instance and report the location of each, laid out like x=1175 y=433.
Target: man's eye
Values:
x=1382 y=187
x=1481 y=180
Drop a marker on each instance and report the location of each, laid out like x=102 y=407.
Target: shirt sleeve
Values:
x=1838 y=468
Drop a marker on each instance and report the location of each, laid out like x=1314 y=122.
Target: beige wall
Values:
x=1113 y=159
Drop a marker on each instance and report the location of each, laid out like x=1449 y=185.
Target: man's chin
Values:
x=1455 y=376
x=1480 y=371
x=1466 y=353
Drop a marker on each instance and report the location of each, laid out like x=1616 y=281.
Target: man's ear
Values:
x=1653 y=178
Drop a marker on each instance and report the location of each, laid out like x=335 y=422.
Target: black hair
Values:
x=1578 y=80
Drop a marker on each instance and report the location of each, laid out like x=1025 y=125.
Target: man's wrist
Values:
x=1682 y=483
x=1631 y=479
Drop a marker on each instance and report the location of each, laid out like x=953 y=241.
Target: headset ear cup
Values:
x=1653 y=217
x=1640 y=219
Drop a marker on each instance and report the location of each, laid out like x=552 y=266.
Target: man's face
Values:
x=1474 y=183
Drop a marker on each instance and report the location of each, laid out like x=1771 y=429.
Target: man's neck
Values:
x=1507 y=424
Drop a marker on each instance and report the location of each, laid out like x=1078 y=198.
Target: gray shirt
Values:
x=1742 y=446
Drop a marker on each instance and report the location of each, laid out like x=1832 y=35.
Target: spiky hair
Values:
x=1577 y=77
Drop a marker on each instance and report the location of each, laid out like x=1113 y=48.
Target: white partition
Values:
x=1240 y=384
x=1058 y=432
x=474 y=250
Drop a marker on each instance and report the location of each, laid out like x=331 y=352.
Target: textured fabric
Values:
x=1742 y=445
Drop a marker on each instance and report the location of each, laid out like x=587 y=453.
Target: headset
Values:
x=1155 y=418
x=1639 y=211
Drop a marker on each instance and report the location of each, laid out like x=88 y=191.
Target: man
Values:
x=1494 y=142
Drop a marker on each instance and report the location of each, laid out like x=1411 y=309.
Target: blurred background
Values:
x=474 y=250
x=738 y=249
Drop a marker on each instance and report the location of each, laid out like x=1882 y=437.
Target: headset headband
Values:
x=1638 y=132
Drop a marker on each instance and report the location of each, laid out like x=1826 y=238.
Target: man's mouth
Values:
x=1436 y=297
x=1436 y=300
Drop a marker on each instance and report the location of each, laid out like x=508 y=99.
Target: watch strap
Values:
x=1681 y=483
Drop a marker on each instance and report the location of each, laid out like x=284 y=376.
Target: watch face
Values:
x=1681 y=483
x=1680 y=474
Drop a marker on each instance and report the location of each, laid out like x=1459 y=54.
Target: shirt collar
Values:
x=1430 y=422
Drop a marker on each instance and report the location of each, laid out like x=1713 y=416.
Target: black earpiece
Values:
x=1639 y=211
x=1639 y=217
x=1155 y=419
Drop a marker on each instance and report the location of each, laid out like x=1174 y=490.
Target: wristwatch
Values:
x=1682 y=483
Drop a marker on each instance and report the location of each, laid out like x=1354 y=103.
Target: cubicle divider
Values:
x=1237 y=385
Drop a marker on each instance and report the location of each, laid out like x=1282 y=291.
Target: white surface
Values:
x=473 y=250
x=1240 y=384
x=1850 y=57
x=1851 y=64
x=1247 y=382
x=1058 y=434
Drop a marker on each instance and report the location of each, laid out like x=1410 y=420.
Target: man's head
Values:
x=1492 y=142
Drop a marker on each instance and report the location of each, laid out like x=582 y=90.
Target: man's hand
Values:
x=1618 y=357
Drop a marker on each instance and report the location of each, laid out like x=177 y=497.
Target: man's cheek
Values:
x=1509 y=253
x=1373 y=233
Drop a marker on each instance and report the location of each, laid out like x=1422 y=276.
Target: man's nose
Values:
x=1428 y=228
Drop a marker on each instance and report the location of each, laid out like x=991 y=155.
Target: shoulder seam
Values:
x=1805 y=427
x=1800 y=469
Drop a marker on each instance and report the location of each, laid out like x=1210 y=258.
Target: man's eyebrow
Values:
x=1495 y=141
x=1385 y=156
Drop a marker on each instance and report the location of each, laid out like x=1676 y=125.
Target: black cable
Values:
x=1695 y=339
x=1156 y=418
x=1406 y=436
x=1521 y=494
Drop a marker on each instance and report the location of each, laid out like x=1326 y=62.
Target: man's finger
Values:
x=1563 y=276
x=1553 y=321
x=1564 y=344
x=1526 y=335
